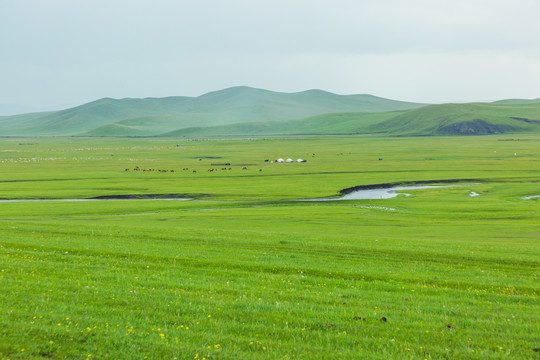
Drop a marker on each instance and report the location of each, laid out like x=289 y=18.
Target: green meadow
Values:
x=245 y=271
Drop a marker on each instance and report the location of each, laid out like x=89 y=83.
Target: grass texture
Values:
x=246 y=271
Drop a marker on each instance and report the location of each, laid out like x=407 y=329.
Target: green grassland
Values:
x=246 y=271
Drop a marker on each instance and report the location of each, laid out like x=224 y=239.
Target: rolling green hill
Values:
x=99 y=113
x=517 y=101
x=334 y=123
x=464 y=119
x=443 y=119
x=12 y=125
x=152 y=116
x=249 y=111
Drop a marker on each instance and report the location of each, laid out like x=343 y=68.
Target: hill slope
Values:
x=443 y=119
x=153 y=116
x=517 y=101
x=249 y=111
x=334 y=123
x=464 y=119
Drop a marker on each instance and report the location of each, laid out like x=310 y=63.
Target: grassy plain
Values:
x=247 y=272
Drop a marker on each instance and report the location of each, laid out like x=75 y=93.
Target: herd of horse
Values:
x=136 y=168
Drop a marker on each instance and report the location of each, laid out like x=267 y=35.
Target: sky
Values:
x=56 y=54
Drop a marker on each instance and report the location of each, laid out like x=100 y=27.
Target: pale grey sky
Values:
x=61 y=53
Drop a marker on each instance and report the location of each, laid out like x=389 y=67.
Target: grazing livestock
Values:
x=244 y=168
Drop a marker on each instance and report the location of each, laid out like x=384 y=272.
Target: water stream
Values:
x=386 y=193
x=367 y=194
x=101 y=199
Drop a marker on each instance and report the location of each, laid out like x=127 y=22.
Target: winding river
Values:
x=362 y=194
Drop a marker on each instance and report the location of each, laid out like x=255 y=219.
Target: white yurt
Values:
x=280 y=160
x=290 y=160
x=300 y=160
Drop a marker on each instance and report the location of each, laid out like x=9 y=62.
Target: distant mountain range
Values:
x=249 y=111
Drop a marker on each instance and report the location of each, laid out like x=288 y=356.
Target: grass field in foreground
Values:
x=250 y=273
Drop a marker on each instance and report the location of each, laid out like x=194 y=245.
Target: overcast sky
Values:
x=61 y=53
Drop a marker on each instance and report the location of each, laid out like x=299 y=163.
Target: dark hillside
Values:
x=464 y=119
